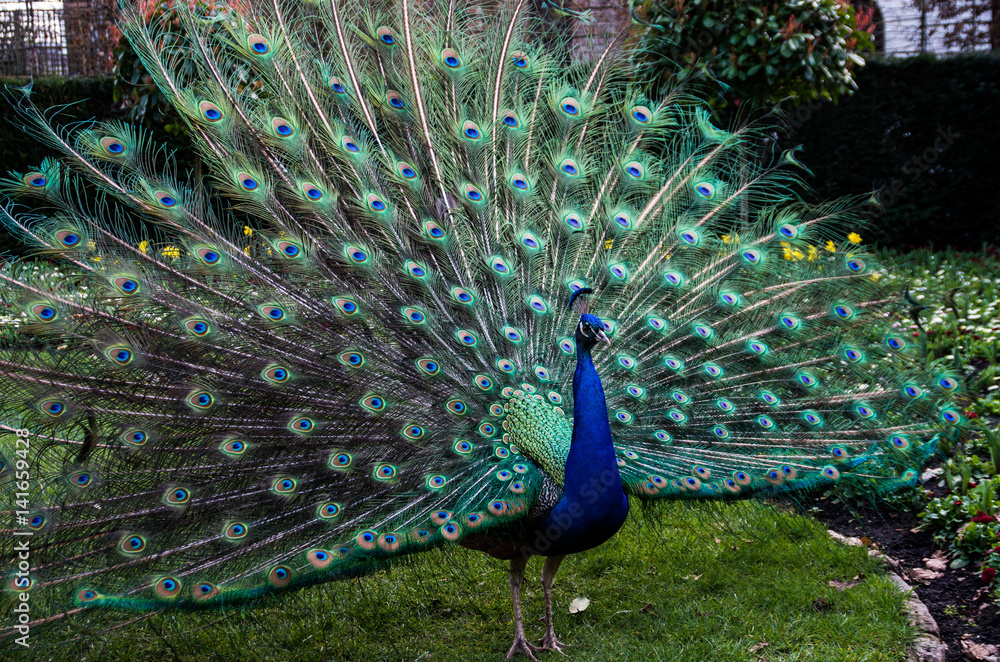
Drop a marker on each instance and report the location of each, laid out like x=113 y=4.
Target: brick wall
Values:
x=609 y=19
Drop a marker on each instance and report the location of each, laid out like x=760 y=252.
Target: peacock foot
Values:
x=550 y=643
x=522 y=646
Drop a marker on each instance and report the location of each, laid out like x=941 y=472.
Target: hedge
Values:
x=925 y=132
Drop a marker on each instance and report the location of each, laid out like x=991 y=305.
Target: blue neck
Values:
x=592 y=451
x=593 y=506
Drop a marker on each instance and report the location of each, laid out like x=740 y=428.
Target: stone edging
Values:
x=928 y=646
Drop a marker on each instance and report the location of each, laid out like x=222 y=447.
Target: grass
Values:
x=700 y=582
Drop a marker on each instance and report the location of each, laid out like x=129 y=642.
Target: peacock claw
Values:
x=550 y=643
x=522 y=646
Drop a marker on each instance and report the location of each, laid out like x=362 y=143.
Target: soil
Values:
x=956 y=600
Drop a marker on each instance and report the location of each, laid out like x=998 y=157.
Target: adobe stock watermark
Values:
x=593 y=491
x=21 y=612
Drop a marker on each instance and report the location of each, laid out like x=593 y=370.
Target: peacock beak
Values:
x=602 y=337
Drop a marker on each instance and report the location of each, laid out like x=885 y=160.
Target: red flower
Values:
x=983 y=518
x=971 y=414
x=958 y=503
x=989 y=574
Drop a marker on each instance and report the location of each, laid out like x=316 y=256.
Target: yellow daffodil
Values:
x=854 y=238
x=143 y=246
x=830 y=246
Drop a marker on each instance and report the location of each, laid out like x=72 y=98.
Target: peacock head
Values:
x=590 y=329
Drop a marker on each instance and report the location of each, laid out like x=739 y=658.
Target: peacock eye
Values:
x=259 y=44
x=282 y=128
x=247 y=182
x=433 y=230
x=395 y=100
x=113 y=146
x=573 y=221
x=373 y=403
x=406 y=170
x=705 y=190
x=35 y=180
x=386 y=36
x=570 y=106
x=350 y=145
x=451 y=59
x=635 y=170
x=570 y=167
x=641 y=114
x=473 y=193
x=788 y=230
x=210 y=111
x=471 y=131
x=337 y=86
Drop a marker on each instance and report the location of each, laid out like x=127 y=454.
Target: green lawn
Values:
x=696 y=583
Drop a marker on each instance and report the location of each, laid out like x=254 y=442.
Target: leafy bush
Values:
x=134 y=86
x=805 y=49
x=923 y=130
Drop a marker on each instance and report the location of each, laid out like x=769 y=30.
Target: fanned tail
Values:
x=351 y=342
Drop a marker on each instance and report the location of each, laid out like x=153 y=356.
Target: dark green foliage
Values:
x=134 y=88
x=90 y=99
x=755 y=52
x=925 y=129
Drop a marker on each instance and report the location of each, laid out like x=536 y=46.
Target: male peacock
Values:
x=354 y=340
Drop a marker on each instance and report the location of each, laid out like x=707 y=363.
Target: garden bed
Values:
x=958 y=600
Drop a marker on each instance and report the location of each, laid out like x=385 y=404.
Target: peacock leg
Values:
x=549 y=641
x=521 y=644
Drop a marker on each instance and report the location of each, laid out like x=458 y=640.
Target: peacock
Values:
x=439 y=285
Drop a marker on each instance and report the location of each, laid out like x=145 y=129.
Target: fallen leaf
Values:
x=578 y=605
x=937 y=561
x=717 y=541
x=760 y=646
x=866 y=541
x=842 y=585
x=692 y=578
x=645 y=609
x=923 y=574
x=974 y=651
